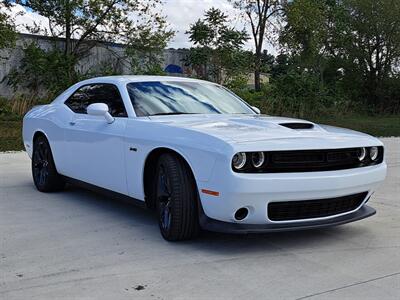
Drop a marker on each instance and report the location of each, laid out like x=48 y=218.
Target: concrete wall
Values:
x=104 y=54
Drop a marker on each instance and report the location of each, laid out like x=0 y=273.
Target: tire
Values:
x=176 y=199
x=44 y=172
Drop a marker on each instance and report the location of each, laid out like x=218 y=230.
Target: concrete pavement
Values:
x=80 y=245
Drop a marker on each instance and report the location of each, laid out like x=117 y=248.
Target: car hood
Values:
x=245 y=129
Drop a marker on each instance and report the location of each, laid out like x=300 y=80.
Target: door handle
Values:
x=72 y=123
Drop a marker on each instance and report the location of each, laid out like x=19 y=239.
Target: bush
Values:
x=15 y=108
x=298 y=95
x=43 y=72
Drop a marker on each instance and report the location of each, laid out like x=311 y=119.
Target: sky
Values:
x=179 y=14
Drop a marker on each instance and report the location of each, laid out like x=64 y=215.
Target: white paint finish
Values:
x=199 y=150
x=81 y=245
x=257 y=190
x=97 y=152
x=100 y=109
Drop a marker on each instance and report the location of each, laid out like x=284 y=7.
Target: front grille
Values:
x=312 y=160
x=308 y=209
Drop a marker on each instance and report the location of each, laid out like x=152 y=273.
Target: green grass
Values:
x=11 y=135
x=11 y=139
x=381 y=126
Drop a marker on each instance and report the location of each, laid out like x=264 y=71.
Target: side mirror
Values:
x=256 y=109
x=100 y=109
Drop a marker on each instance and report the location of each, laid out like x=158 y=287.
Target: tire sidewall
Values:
x=184 y=222
x=53 y=181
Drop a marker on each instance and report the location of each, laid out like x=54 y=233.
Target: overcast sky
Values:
x=179 y=13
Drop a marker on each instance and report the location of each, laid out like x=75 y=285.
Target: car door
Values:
x=95 y=147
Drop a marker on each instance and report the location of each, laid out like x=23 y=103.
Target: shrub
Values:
x=43 y=72
x=298 y=95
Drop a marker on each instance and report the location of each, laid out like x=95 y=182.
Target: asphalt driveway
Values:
x=80 y=245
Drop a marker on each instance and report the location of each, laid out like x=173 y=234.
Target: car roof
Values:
x=139 y=78
x=124 y=79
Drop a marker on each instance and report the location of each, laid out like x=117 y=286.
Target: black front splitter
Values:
x=227 y=227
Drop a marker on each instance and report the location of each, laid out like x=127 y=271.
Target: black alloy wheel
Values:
x=176 y=197
x=44 y=173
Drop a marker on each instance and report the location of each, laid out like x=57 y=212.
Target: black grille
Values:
x=307 y=209
x=312 y=160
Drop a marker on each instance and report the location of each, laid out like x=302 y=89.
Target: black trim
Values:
x=95 y=83
x=207 y=223
x=292 y=161
x=105 y=192
x=239 y=228
x=317 y=208
x=297 y=125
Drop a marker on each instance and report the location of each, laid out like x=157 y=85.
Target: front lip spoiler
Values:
x=226 y=227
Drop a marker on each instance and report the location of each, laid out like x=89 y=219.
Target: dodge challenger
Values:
x=201 y=157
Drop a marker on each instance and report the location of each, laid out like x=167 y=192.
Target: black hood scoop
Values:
x=298 y=126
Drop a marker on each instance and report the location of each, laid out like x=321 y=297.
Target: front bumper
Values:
x=256 y=191
x=219 y=226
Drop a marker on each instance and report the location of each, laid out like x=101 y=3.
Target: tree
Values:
x=84 y=24
x=353 y=43
x=218 y=51
x=42 y=69
x=259 y=14
x=372 y=43
x=96 y=21
x=7 y=29
x=145 y=50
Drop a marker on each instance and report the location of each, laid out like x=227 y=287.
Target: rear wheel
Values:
x=44 y=171
x=176 y=198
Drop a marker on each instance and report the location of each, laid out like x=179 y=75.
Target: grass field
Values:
x=11 y=140
x=10 y=135
x=386 y=126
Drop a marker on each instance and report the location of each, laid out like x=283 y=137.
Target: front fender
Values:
x=198 y=149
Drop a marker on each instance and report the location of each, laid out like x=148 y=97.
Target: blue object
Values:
x=173 y=69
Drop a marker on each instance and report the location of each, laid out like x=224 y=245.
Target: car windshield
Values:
x=184 y=97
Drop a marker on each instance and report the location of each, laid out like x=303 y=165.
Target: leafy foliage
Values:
x=91 y=22
x=217 y=55
x=7 y=29
x=260 y=13
x=39 y=68
x=145 y=50
x=354 y=44
x=86 y=24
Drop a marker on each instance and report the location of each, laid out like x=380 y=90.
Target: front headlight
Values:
x=257 y=159
x=239 y=160
x=373 y=153
x=361 y=154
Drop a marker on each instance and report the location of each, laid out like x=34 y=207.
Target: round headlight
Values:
x=373 y=153
x=239 y=160
x=257 y=159
x=361 y=154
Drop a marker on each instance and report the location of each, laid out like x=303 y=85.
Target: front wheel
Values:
x=44 y=171
x=176 y=197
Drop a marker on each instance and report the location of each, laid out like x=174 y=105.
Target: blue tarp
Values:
x=173 y=69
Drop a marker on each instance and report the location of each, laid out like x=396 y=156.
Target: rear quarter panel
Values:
x=49 y=120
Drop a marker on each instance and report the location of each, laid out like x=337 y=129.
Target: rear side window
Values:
x=97 y=93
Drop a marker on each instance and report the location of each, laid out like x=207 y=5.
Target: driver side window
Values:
x=97 y=93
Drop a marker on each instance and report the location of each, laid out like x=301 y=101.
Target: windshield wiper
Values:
x=172 y=113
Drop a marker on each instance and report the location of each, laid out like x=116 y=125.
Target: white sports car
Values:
x=201 y=156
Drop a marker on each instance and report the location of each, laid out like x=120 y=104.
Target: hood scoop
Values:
x=298 y=125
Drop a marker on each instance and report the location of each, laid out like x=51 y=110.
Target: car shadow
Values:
x=211 y=242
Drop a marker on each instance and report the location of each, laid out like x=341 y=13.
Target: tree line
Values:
x=333 y=56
